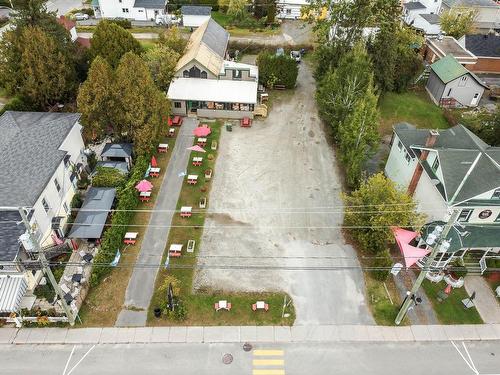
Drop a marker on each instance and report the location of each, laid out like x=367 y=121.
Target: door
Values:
x=475 y=100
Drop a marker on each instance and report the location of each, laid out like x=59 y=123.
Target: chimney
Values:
x=429 y=142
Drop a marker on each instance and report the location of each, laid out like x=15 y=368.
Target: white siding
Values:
x=429 y=200
x=397 y=167
x=194 y=21
x=486 y=195
x=114 y=9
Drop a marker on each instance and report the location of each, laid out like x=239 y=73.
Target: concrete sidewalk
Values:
x=485 y=301
x=253 y=334
x=141 y=284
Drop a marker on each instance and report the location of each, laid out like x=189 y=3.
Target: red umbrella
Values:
x=202 y=131
x=154 y=164
x=447 y=290
x=196 y=148
x=144 y=185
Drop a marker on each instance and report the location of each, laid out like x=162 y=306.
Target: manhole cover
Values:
x=227 y=359
x=247 y=347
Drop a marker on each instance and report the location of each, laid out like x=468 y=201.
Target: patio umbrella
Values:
x=196 y=148
x=202 y=131
x=144 y=185
x=154 y=164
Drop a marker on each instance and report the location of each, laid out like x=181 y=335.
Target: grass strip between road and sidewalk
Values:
x=104 y=302
x=200 y=305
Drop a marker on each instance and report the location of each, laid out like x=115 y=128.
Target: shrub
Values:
x=382 y=262
x=277 y=70
x=126 y=24
x=92 y=161
x=108 y=177
x=76 y=201
x=17 y=103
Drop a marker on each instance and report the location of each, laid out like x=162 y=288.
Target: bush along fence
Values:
x=128 y=200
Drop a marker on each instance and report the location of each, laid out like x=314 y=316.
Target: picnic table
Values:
x=192 y=179
x=203 y=202
x=130 y=238
x=171 y=132
x=175 y=250
x=222 y=305
x=246 y=122
x=145 y=196
x=163 y=147
x=154 y=172
x=186 y=211
x=260 y=305
x=177 y=121
x=197 y=160
x=202 y=141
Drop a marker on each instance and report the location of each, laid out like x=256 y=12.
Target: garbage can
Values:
x=229 y=127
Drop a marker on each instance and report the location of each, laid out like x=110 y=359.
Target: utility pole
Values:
x=45 y=267
x=436 y=241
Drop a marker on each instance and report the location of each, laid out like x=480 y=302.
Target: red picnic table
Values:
x=145 y=196
x=246 y=122
x=163 y=147
x=186 y=211
x=177 y=121
x=197 y=160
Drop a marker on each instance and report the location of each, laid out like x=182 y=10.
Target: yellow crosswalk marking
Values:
x=267 y=352
x=269 y=372
x=268 y=362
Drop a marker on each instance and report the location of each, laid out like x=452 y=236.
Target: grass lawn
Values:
x=384 y=312
x=147 y=44
x=200 y=306
x=224 y=20
x=414 y=107
x=451 y=310
x=104 y=302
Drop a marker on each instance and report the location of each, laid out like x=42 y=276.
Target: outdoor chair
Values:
x=266 y=307
x=254 y=307
x=216 y=306
x=229 y=306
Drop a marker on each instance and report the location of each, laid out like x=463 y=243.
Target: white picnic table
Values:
x=145 y=194
x=154 y=170
x=131 y=235
x=192 y=177
x=163 y=145
x=202 y=139
x=261 y=305
x=175 y=247
x=198 y=158
x=186 y=208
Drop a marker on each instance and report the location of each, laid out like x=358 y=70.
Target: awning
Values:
x=411 y=253
x=12 y=290
x=89 y=223
x=213 y=90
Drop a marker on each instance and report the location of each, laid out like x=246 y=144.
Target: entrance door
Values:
x=475 y=100
x=192 y=106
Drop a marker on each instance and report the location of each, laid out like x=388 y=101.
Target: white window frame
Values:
x=45 y=205
x=468 y=211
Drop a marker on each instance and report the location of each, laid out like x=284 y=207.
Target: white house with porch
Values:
x=208 y=85
x=451 y=169
x=137 y=10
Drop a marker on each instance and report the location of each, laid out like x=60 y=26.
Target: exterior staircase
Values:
x=424 y=75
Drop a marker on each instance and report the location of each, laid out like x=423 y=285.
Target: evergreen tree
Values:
x=112 y=42
x=97 y=100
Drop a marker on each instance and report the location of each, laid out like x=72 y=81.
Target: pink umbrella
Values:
x=144 y=185
x=154 y=164
x=202 y=131
x=196 y=148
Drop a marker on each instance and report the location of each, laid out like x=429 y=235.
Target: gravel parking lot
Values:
x=275 y=203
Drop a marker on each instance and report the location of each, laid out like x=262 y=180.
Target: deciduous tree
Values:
x=161 y=62
x=173 y=40
x=112 y=42
x=237 y=9
x=277 y=70
x=458 y=22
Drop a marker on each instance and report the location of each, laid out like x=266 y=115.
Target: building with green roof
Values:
x=450 y=84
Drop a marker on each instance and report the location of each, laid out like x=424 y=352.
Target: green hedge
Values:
x=277 y=70
x=112 y=239
x=108 y=177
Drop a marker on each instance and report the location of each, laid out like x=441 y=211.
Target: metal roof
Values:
x=414 y=5
x=30 y=153
x=150 y=4
x=448 y=68
x=431 y=18
x=194 y=10
x=12 y=290
x=117 y=150
x=483 y=45
x=9 y=235
x=88 y=223
x=121 y=166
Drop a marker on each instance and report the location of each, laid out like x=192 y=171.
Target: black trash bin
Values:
x=157 y=312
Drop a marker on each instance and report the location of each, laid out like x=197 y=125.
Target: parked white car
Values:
x=167 y=19
x=81 y=16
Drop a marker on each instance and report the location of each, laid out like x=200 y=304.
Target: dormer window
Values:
x=496 y=194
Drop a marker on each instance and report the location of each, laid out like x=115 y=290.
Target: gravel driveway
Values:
x=276 y=186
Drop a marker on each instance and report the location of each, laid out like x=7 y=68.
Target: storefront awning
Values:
x=213 y=90
x=92 y=216
x=12 y=290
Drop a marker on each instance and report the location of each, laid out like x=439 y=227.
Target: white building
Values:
x=137 y=10
x=488 y=12
x=290 y=9
x=41 y=155
x=195 y=15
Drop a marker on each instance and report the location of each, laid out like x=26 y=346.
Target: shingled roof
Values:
x=150 y=4
x=483 y=45
x=30 y=153
x=470 y=167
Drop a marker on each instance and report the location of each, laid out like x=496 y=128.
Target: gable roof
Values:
x=29 y=153
x=150 y=4
x=9 y=235
x=469 y=166
x=448 y=68
x=117 y=150
x=207 y=45
x=431 y=18
x=483 y=45
x=193 y=10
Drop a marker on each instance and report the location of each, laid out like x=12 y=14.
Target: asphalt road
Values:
x=141 y=284
x=64 y=6
x=275 y=203
x=291 y=359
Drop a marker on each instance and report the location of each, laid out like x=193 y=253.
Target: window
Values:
x=45 y=205
x=194 y=72
x=177 y=105
x=449 y=92
x=58 y=187
x=465 y=215
x=65 y=206
x=203 y=75
x=497 y=220
x=463 y=81
x=120 y=1
x=185 y=74
x=236 y=74
x=407 y=157
x=289 y=11
x=67 y=160
x=125 y=10
x=496 y=194
x=435 y=165
x=400 y=145
x=140 y=11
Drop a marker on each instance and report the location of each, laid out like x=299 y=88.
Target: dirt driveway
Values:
x=275 y=189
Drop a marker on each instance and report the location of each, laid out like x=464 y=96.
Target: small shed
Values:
x=91 y=218
x=451 y=85
x=117 y=152
x=195 y=15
